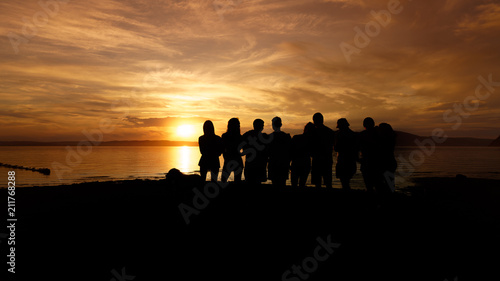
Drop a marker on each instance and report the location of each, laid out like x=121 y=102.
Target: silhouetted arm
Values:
x=220 y=146
x=201 y=145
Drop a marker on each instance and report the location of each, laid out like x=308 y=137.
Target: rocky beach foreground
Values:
x=439 y=229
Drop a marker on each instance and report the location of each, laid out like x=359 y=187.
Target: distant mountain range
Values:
x=407 y=139
x=496 y=142
x=403 y=139
x=104 y=143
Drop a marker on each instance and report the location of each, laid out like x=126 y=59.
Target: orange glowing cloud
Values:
x=148 y=65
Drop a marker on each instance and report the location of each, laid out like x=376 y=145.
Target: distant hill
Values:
x=495 y=142
x=403 y=139
x=104 y=143
x=407 y=139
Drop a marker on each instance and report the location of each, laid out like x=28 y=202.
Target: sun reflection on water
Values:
x=184 y=159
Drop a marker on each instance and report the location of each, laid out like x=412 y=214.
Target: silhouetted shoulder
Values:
x=249 y=134
x=345 y=140
x=299 y=139
x=281 y=138
x=301 y=146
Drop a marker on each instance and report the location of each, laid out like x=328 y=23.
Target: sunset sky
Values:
x=149 y=67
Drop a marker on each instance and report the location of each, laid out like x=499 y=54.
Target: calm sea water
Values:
x=107 y=163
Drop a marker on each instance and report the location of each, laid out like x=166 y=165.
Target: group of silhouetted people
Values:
x=274 y=156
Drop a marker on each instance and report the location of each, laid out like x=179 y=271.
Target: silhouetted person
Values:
x=347 y=153
x=182 y=184
x=177 y=179
x=387 y=138
x=301 y=156
x=232 y=157
x=369 y=148
x=279 y=154
x=211 y=148
x=322 y=156
x=255 y=150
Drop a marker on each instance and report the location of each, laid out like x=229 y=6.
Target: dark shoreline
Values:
x=448 y=227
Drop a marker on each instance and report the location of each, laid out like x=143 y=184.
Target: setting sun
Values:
x=185 y=131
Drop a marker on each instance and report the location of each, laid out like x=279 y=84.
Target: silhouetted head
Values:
x=233 y=126
x=318 y=119
x=386 y=130
x=385 y=127
x=208 y=128
x=173 y=176
x=387 y=134
x=258 y=125
x=342 y=123
x=276 y=123
x=309 y=128
x=368 y=123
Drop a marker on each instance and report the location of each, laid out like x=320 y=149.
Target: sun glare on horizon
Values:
x=185 y=131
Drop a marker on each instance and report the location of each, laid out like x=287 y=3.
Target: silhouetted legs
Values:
x=251 y=178
x=346 y=183
x=232 y=166
x=344 y=171
x=278 y=173
x=255 y=173
x=299 y=175
x=303 y=179
x=203 y=174
x=226 y=174
x=370 y=180
x=294 y=179
x=321 y=171
x=327 y=176
x=279 y=182
x=213 y=173
x=388 y=181
x=378 y=182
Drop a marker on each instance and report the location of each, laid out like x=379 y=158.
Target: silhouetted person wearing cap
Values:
x=387 y=138
x=279 y=154
x=232 y=157
x=347 y=153
x=211 y=148
x=301 y=156
x=255 y=149
x=370 y=154
x=322 y=156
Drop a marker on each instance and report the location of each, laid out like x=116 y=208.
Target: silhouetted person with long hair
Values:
x=388 y=161
x=210 y=148
x=279 y=154
x=347 y=153
x=232 y=157
x=255 y=150
x=301 y=156
x=322 y=157
x=369 y=148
